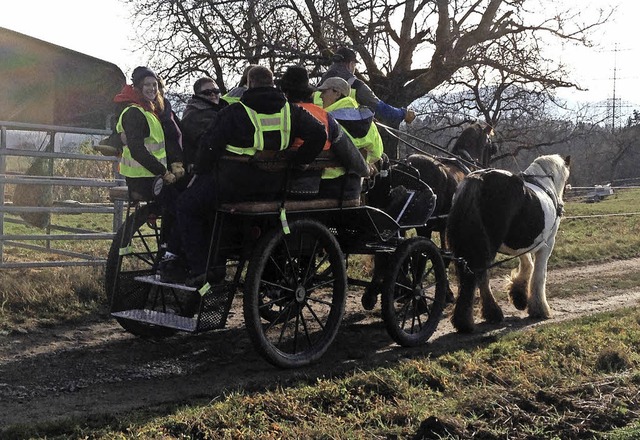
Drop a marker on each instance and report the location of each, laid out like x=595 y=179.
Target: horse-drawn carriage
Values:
x=289 y=260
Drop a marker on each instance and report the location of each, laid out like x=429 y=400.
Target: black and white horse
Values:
x=441 y=174
x=497 y=211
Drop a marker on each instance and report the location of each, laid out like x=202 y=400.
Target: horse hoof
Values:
x=518 y=295
x=369 y=299
x=496 y=318
x=539 y=315
x=463 y=327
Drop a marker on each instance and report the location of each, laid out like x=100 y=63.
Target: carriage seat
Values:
x=289 y=205
x=121 y=193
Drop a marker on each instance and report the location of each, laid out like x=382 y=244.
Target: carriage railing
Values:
x=39 y=243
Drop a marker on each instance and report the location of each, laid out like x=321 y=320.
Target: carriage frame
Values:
x=289 y=260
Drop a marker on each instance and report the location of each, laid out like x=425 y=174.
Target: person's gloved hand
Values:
x=169 y=178
x=409 y=116
x=177 y=169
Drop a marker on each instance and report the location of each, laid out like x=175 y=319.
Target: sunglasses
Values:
x=210 y=92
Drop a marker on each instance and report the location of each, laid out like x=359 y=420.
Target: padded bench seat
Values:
x=122 y=193
x=290 y=205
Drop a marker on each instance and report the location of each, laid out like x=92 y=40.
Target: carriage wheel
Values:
x=295 y=293
x=140 y=236
x=414 y=292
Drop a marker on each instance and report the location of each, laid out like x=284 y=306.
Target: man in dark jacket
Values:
x=200 y=112
x=262 y=120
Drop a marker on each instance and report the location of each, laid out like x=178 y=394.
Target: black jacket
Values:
x=199 y=115
x=233 y=127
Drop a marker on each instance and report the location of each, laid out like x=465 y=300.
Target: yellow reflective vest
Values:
x=263 y=123
x=371 y=143
x=154 y=144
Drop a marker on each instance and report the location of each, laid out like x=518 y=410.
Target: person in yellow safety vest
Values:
x=144 y=155
x=236 y=93
x=344 y=62
x=341 y=182
x=357 y=121
x=262 y=120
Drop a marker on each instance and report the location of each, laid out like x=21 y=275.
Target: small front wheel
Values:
x=414 y=292
x=295 y=292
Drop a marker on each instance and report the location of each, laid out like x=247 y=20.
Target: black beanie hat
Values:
x=296 y=79
x=140 y=73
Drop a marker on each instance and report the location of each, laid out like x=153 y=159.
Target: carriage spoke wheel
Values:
x=134 y=252
x=295 y=294
x=414 y=292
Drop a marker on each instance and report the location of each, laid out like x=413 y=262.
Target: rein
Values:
x=392 y=132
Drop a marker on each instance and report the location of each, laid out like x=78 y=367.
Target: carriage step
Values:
x=151 y=279
x=170 y=320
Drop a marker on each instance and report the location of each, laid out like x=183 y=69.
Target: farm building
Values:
x=42 y=83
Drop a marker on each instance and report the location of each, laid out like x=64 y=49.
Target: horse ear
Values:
x=567 y=160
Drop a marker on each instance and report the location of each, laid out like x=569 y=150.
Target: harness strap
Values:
x=532 y=179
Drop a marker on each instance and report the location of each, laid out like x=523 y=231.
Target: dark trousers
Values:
x=228 y=182
x=141 y=188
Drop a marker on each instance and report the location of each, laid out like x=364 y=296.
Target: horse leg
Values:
x=520 y=278
x=462 y=318
x=370 y=295
x=450 y=299
x=537 y=304
x=491 y=311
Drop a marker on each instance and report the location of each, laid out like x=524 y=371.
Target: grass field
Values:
x=572 y=380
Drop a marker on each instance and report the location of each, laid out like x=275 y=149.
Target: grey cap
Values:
x=336 y=83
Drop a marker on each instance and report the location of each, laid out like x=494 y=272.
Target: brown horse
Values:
x=473 y=148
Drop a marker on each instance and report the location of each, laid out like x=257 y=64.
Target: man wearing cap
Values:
x=262 y=120
x=356 y=120
x=344 y=66
x=336 y=182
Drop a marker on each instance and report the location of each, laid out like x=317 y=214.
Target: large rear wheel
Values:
x=414 y=292
x=295 y=293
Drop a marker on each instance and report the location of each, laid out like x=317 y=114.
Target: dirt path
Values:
x=96 y=368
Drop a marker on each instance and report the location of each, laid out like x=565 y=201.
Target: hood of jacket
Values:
x=264 y=100
x=129 y=95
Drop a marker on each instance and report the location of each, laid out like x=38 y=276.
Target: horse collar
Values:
x=533 y=179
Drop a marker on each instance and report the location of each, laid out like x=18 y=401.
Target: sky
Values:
x=103 y=29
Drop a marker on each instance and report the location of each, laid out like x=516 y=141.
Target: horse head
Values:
x=551 y=171
x=475 y=145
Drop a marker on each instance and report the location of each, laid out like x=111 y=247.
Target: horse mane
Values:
x=553 y=166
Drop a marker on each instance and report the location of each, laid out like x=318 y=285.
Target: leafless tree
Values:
x=407 y=48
